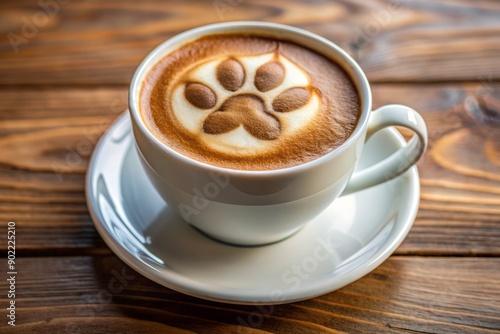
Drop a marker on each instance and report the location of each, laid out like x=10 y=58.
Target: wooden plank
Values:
x=47 y=135
x=90 y=42
x=424 y=295
x=460 y=173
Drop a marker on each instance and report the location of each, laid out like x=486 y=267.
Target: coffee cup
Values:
x=255 y=207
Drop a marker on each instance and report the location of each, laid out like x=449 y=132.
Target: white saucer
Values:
x=348 y=240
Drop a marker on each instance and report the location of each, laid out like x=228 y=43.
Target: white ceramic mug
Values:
x=258 y=207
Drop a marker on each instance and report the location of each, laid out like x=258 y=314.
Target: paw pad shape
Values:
x=250 y=94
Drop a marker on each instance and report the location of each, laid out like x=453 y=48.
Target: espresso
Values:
x=249 y=102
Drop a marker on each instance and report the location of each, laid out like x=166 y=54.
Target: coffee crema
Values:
x=249 y=102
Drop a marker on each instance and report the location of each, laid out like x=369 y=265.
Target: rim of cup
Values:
x=273 y=30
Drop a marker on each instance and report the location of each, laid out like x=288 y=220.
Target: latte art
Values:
x=249 y=102
x=243 y=104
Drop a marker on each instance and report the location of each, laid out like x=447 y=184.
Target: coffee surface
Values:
x=249 y=102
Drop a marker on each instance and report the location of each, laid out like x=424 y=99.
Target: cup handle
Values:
x=401 y=160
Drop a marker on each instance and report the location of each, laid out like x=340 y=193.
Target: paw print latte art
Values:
x=243 y=105
x=249 y=102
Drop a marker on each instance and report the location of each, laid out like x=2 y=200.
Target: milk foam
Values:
x=239 y=140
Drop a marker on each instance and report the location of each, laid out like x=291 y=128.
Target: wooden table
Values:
x=65 y=67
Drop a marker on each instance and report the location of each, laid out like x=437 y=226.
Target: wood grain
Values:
x=47 y=137
x=405 y=294
x=47 y=141
x=90 y=42
x=460 y=188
